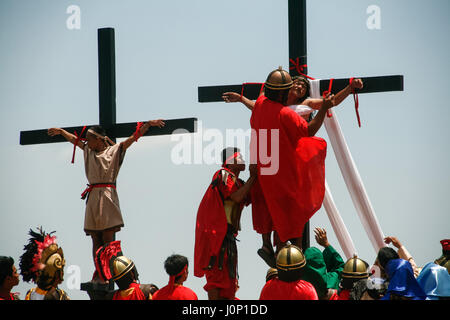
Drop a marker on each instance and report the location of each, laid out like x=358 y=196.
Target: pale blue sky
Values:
x=164 y=51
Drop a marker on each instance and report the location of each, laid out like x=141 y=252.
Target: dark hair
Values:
x=124 y=282
x=347 y=283
x=98 y=129
x=358 y=289
x=308 y=87
x=280 y=96
x=174 y=264
x=228 y=152
x=385 y=255
x=6 y=265
x=291 y=275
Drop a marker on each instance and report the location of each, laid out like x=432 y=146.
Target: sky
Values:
x=164 y=51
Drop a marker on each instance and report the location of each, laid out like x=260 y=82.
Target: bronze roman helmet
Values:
x=120 y=267
x=277 y=85
x=290 y=261
x=355 y=268
x=271 y=273
x=43 y=260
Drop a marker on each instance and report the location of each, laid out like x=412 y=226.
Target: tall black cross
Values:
x=298 y=66
x=107 y=103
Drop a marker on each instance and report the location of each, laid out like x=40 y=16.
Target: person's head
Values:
x=43 y=260
x=299 y=91
x=290 y=263
x=278 y=85
x=232 y=159
x=96 y=138
x=384 y=256
x=124 y=272
x=176 y=267
x=272 y=273
x=8 y=273
x=153 y=288
x=355 y=269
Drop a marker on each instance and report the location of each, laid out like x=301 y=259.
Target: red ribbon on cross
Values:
x=325 y=93
x=78 y=139
x=299 y=67
x=137 y=134
x=355 y=98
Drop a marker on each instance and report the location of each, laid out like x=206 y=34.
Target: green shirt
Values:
x=323 y=269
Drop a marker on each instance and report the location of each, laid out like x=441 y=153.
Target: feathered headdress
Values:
x=104 y=259
x=40 y=247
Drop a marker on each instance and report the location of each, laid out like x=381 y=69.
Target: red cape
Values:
x=134 y=292
x=295 y=191
x=210 y=228
x=175 y=293
x=276 y=289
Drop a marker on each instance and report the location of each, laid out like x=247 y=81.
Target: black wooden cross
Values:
x=107 y=103
x=107 y=119
x=298 y=66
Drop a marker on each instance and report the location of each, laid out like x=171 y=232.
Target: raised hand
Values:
x=329 y=101
x=321 y=237
x=231 y=97
x=395 y=242
x=54 y=132
x=156 y=123
x=357 y=84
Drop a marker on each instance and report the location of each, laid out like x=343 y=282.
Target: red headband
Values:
x=172 y=278
x=235 y=155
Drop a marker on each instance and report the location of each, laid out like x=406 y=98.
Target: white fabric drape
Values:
x=344 y=238
x=352 y=180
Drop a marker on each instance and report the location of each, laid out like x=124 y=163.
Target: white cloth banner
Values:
x=351 y=177
x=344 y=238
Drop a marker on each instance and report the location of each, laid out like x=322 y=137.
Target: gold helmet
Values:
x=120 y=267
x=290 y=261
x=278 y=79
x=43 y=260
x=355 y=268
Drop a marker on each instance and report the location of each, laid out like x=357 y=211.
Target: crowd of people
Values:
x=312 y=274
x=284 y=190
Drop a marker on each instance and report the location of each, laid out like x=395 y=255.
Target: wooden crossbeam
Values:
x=120 y=130
x=107 y=103
x=252 y=90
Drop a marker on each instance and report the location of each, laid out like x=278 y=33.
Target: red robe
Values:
x=132 y=293
x=211 y=228
x=175 y=292
x=289 y=196
x=211 y=224
x=275 y=289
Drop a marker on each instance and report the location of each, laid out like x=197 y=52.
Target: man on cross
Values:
x=102 y=159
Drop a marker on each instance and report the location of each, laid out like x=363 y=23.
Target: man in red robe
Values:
x=291 y=168
x=217 y=225
x=288 y=286
x=177 y=268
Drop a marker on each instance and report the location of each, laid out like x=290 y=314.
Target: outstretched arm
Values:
x=403 y=253
x=68 y=136
x=316 y=123
x=152 y=123
x=338 y=98
x=236 y=97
